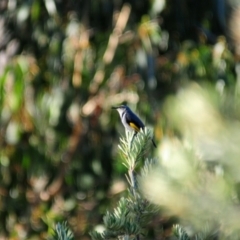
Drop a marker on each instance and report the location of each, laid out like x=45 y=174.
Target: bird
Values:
x=130 y=120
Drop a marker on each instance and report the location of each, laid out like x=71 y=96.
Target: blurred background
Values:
x=63 y=64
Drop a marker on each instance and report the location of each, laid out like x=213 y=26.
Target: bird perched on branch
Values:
x=130 y=120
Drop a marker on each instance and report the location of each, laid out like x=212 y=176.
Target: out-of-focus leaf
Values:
x=51 y=7
x=23 y=13
x=35 y=10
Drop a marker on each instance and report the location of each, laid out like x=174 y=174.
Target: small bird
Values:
x=130 y=120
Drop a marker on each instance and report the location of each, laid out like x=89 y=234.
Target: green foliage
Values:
x=123 y=222
x=134 y=149
x=130 y=218
x=180 y=233
x=62 y=232
x=200 y=167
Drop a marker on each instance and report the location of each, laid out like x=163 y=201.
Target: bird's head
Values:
x=121 y=108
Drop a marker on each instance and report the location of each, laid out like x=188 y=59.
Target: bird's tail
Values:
x=154 y=144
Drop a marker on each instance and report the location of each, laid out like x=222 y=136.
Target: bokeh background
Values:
x=63 y=64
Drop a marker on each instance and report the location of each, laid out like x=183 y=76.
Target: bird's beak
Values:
x=114 y=107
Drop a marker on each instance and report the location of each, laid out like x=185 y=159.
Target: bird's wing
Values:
x=134 y=122
x=134 y=126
